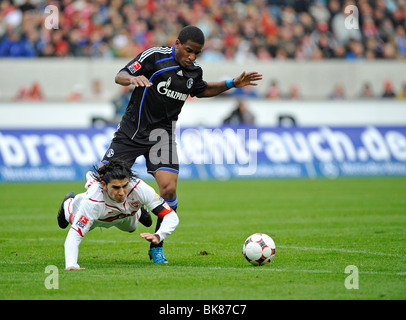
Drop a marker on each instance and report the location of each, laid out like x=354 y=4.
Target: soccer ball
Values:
x=259 y=249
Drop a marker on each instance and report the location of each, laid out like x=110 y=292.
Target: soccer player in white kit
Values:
x=114 y=197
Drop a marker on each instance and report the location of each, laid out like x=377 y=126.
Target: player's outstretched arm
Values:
x=72 y=243
x=247 y=79
x=154 y=238
x=244 y=79
x=125 y=79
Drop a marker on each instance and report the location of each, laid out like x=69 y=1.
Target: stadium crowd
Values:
x=235 y=30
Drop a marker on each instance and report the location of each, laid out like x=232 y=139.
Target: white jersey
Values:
x=94 y=208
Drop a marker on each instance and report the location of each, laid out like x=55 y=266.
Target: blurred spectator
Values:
x=26 y=6
x=34 y=93
x=324 y=40
x=212 y=51
x=400 y=41
x=244 y=92
x=388 y=90
x=14 y=46
x=21 y=94
x=355 y=50
x=319 y=11
x=367 y=92
x=273 y=91
x=369 y=28
x=240 y=115
x=98 y=93
x=61 y=46
x=76 y=94
x=120 y=104
x=235 y=30
x=402 y=93
x=294 y=92
x=263 y=54
x=389 y=51
x=338 y=92
x=11 y=15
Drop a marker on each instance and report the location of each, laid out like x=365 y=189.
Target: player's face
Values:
x=186 y=54
x=117 y=189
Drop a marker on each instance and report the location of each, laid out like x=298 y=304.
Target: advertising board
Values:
x=214 y=153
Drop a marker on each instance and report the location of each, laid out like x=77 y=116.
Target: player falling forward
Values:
x=163 y=77
x=114 y=197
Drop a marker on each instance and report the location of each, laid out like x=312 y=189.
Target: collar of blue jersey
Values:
x=169 y=58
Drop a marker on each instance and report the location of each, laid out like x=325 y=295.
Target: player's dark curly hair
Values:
x=114 y=169
x=191 y=33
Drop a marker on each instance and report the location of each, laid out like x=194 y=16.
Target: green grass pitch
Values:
x=319 y=226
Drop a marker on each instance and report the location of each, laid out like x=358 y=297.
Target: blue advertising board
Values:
x=214 y=153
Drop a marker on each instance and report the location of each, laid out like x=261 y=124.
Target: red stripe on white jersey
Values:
x=91 y=182
x=133 y=188
x=78 y=231
x=96 y=200
x=70 y=210
x=113 y=207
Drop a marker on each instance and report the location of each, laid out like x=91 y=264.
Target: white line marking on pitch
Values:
x=207 y=243
x=344 y=251
x=268 y=268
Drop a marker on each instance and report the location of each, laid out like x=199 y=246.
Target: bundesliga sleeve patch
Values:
x=81 y=226
x=82 y=222
x=134 y=67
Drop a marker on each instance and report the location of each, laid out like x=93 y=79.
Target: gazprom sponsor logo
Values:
x=163 y=88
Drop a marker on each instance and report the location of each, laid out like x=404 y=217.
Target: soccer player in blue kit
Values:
x=163 y=78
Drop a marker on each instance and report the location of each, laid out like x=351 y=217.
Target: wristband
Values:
x=230 y=83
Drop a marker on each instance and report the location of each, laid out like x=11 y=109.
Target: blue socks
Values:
x=173 y=203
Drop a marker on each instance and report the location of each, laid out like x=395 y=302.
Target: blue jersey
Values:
x=159 y=105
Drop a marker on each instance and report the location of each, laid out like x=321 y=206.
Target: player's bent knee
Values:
x=168 y=190
x=167 y=182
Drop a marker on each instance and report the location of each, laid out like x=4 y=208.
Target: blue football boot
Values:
x=157 y=254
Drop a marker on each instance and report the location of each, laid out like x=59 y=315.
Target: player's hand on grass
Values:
x=154 y=238
x=75 y=268
x=140 y=81
x=247 y=79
